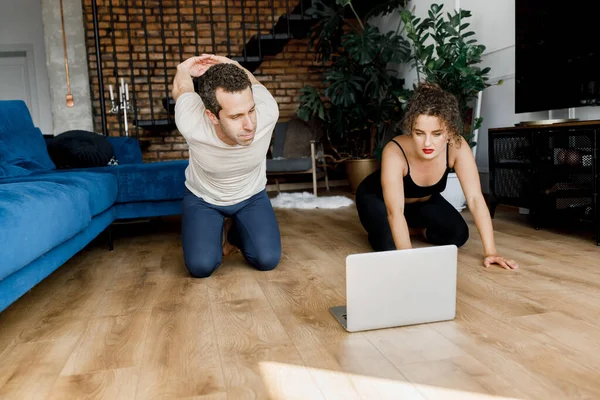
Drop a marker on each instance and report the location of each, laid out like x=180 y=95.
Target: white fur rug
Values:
x=308 y=200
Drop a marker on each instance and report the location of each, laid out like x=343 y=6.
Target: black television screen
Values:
x=557 y=54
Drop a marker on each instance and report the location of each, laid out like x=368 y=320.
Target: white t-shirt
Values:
x=219 y=173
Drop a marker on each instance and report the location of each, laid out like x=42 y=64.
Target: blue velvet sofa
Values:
x=48 y=215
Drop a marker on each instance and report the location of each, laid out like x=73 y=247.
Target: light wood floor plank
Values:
x=114 y=384
x=303 y=308
x=245 y=325
x=30 y=370
x=110 y=343
x=181 y=358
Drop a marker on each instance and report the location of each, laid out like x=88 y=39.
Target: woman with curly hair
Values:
x=404 y=197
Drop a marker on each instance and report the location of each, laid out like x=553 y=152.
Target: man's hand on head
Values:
x=197 y=66
x=224 y=60
x=220 y=59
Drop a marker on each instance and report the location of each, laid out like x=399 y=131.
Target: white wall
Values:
x=390 y=22
x=21 y=26
x=493 y=22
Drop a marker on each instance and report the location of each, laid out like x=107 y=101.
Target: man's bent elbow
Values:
x=176 y=91
x=175 y=94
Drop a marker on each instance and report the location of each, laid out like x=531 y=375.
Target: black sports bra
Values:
x=412 y=190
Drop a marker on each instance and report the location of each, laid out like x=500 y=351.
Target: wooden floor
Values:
x=131 y=324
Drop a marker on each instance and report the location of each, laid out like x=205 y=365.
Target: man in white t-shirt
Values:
x=228 y=127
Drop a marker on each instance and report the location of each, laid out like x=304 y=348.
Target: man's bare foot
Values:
x=228 y=248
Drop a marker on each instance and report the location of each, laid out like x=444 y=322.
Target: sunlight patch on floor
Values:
x=285 y=381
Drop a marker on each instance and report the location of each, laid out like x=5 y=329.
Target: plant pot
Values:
x=454 y=193
x=358 y=170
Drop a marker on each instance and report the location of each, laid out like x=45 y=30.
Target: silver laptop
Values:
x=400 y=287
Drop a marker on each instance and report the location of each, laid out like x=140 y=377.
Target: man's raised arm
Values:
x=182 y=83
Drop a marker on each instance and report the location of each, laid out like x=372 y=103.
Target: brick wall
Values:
x=138 y=55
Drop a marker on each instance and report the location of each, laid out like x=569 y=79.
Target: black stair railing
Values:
x=253 y=30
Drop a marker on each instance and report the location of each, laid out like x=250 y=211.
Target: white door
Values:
x=14 y=77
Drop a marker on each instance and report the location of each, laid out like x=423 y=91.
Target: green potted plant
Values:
x=362 y=93
x=446 y=52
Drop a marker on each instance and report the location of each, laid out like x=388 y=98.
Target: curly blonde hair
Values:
x=430 y=99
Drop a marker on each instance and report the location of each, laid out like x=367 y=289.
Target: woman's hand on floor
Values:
x=503 y=262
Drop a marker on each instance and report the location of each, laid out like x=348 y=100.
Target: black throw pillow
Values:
x=80 y=149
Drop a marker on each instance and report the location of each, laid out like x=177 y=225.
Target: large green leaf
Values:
x=310 y=104
x=344 y=87
x=394 y=48
x=363 y=46
x=465 y=14
x=378 y=82
x=406 y=16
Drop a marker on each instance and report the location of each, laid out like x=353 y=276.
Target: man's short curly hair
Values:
x=430 y=99
x=229 y=77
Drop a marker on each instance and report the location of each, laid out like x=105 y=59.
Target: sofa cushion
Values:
x=80 y=149
x=101 y=186
x=289 y=165
x=151 y=181
x=35 y=217
x=24 y=148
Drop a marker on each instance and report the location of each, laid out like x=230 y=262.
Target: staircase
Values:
x=294 y=24
x=289 y=26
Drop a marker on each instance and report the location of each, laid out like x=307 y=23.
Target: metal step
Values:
x=156 y=125
x=277 y=36
x=248 y=59
x=251 y=63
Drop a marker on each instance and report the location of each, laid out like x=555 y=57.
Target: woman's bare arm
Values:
x=468 y=175
x=392 y=167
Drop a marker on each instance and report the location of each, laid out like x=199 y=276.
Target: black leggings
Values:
x=442 y=222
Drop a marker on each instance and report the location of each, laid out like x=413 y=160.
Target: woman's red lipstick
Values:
x=427 y=151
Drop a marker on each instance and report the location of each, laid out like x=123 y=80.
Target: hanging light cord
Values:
x=70 y=102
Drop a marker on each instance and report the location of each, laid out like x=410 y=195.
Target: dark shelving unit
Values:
x=552 y=170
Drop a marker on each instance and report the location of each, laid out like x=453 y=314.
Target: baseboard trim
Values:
x=307 y=185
